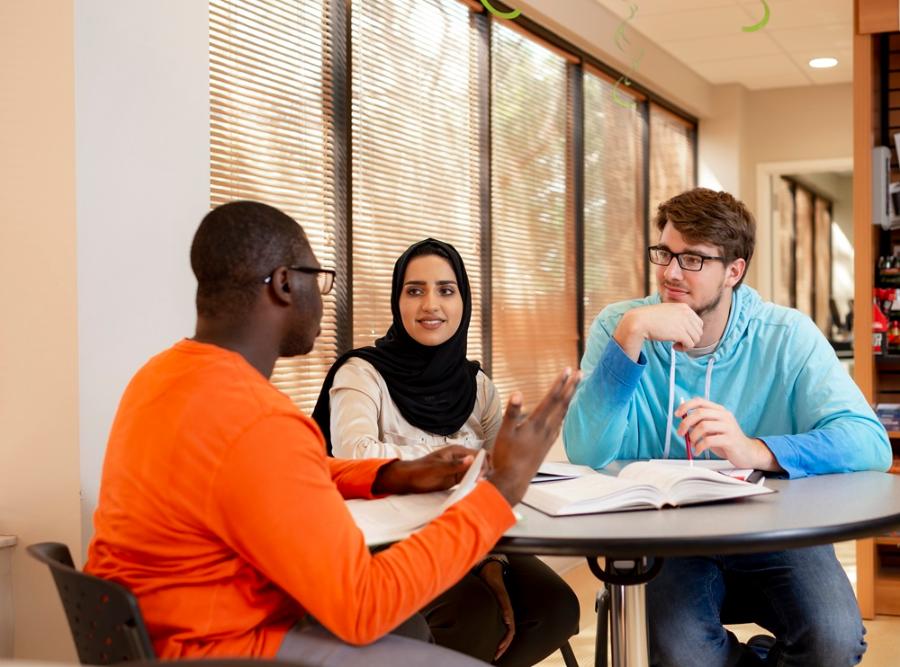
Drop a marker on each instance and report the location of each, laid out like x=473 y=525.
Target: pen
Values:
x=687 y=441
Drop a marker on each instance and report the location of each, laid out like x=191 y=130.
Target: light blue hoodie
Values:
x=773 y=369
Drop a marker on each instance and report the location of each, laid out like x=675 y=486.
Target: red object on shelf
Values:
x=879 y=329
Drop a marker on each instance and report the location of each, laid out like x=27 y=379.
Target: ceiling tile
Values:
x=835 y=36
x=824 y=77
x=706 y=36
x=786 y=79
x=691 y=24
x=800 y=13
x=740 y=45
x=841 y=73
x=777 y=68
x=650 y=7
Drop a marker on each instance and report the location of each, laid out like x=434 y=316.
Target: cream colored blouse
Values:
x=366 y=423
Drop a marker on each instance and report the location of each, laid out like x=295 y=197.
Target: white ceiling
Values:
x=706 y=36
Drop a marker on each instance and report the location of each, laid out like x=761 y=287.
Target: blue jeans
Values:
x=801 y=596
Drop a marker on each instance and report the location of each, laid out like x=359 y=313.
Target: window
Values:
x=671 y=156
x=822 y=269
x=804 y=273
x=270 y=137
x=614 y=235
x=803 y=253
x=415 y=148
x=534 y=332
x=671 y=163
x=377 y=124
x=784 y=244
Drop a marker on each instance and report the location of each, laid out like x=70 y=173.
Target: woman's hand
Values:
x=435 y=472
x=492 y=574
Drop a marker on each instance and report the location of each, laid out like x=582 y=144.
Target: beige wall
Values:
x=86 y=262
x=747 y=128
x=39 y=480
x=721 y=139
x=796 y=124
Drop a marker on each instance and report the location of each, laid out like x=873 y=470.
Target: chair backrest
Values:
x=104 y=617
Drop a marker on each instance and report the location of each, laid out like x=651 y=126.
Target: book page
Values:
x=665 y=475
x=722 y=466
x=389 y=519
x=554 y=471
x=590 y=494
x=681 y=485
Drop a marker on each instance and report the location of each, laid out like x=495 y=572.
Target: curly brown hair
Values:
x=702 y=215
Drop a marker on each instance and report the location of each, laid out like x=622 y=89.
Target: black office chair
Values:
x=568 y=655
x=106 y=621
x=104 y=617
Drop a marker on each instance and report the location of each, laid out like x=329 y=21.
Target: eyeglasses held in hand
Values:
x=688 y=261
x=325 y=277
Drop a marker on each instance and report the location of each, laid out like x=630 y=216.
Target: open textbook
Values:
x=639 y=485
x=552 y=471
x=719 y=465
x=389 y=519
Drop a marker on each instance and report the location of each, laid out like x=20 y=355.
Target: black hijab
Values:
x=433 y=386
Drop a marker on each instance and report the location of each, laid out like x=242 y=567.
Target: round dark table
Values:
x=804 y=512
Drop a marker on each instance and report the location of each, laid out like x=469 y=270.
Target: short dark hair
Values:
x=235 y=247
x=702 y=215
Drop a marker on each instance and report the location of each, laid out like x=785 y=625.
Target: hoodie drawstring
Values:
x=671 y=410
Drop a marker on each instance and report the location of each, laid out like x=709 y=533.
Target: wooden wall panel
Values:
x=863 y=141
x=874 y=16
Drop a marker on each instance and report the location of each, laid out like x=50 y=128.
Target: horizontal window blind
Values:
x=671 y=164
x=823 y=265
x=614 y=233
x=783 y=223
x=415 y=148
x=271 y=137
x=534 y=329
x=415 y=165
x=803 y=252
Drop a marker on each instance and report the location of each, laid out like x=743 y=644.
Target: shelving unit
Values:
x=876 y=117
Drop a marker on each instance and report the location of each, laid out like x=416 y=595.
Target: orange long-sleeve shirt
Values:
x=220 y=510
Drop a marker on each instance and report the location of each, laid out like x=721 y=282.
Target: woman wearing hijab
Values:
x=415 y=391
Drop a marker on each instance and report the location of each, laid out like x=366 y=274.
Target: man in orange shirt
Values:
x=220 y=510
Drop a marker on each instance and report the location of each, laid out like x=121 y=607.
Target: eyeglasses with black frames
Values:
x=688 y=261
x=325 y=277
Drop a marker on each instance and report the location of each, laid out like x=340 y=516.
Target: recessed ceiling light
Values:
x=823 y=63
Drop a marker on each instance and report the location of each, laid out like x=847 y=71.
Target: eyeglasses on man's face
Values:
x=325 y=277
x=688 y=261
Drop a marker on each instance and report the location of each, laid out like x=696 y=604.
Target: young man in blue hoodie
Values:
x=762 y=388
